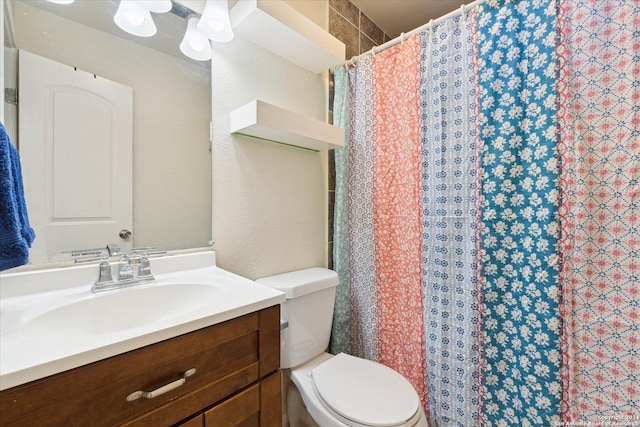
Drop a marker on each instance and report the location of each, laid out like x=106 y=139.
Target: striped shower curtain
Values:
x=487 y=227
x=382 y=212
x=390 y=233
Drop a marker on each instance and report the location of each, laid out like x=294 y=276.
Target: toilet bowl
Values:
x=340 y=390
x=343 y=390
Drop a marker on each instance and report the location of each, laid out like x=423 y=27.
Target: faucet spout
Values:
x=125 y=272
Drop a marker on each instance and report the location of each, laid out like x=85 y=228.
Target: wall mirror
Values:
x=170 y=185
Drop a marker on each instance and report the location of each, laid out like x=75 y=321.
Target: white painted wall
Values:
x=269 y=201
x=172 y=110
x=316 y=10
x=10 y=113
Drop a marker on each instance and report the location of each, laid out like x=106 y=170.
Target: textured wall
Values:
x=269 y=201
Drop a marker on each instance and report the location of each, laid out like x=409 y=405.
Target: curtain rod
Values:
x=402 y=37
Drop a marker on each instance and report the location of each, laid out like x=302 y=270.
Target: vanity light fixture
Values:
x=194 y=44
x=135 y=19
x=156 y=6
x=215 y=23
x=61 y=1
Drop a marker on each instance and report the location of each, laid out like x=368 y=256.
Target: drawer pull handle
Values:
x=161 y=390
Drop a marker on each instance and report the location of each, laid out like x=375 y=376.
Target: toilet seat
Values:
x=360 y=392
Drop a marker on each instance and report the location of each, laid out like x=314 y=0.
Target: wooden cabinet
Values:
x=236 y=374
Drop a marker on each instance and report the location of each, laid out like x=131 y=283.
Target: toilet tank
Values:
x=308 y=311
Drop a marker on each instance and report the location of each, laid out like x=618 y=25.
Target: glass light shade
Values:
x=215 y=23
x=195 y=45
x=156 y=6
x=134 y=19
x=61 y=1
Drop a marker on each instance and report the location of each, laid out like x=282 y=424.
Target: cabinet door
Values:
x=242 y=410
x=258 y=406
x=271 y=400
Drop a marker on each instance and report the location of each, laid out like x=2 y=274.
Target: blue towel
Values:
x=16 y=235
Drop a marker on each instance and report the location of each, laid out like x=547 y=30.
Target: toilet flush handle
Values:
x=283 y=324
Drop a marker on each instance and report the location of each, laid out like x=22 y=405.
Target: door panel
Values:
x=75 y=142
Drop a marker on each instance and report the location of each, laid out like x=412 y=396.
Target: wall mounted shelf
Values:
x=268 y=122
x=280 y=29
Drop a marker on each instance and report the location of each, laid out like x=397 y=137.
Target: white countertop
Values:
x=24 y=296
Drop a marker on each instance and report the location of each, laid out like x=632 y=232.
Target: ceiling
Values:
x=401 y=16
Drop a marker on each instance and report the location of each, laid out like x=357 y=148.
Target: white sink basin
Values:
x=51 y=322
x=121 y=310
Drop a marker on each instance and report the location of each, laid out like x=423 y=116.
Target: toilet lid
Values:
x=365 y=392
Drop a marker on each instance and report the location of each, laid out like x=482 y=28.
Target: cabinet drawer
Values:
x=227 y=357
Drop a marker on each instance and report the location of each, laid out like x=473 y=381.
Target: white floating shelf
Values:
x=280 y=29
x=264 y=121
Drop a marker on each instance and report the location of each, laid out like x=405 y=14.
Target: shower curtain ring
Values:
x=401 y=38
x=349 y=62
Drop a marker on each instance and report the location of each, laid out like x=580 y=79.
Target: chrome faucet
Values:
x=125 y=272
x=127 y=276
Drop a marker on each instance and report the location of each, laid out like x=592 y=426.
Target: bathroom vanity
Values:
x=236 y=380
x=217 y=365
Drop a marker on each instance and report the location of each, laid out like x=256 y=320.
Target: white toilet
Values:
x=339 y=390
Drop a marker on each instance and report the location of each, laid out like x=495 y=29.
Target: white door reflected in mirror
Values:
x=76 y=152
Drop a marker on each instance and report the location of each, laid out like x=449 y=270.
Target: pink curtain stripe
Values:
x=600 y=223
x=398 y=212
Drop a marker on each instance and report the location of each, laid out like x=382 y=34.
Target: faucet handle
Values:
x=104 y=274
x=144 y=269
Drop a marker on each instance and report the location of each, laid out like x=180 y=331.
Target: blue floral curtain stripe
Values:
x=519 y=227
